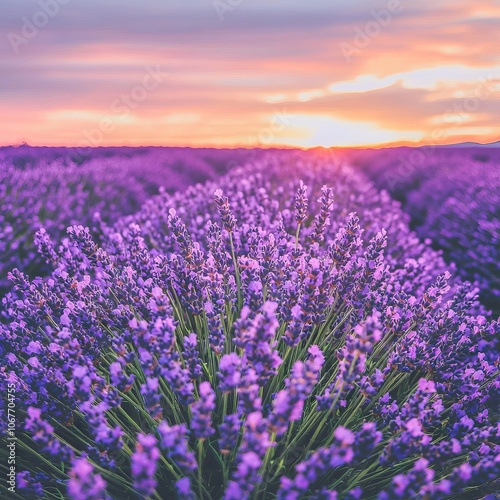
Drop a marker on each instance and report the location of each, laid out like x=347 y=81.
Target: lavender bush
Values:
x=452 y=196
x=258 y=337
x=57 y=187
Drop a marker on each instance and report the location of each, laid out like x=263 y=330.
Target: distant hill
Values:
x=472 y=145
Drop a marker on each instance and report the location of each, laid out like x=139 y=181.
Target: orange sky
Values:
x=249 y=72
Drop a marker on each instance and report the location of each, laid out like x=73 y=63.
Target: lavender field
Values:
x=452 y=196
x=54 y=188
x=250 y=324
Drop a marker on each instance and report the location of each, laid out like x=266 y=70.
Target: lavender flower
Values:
x=201 y=421
x=320 y=462
x=181 y=234
x=119 y=379
x=229 y=432
x=28 y=485
x=301 y=203
x=289 y=402
x=255 y=336
x=174 y=440
x=191 y=356
x=410 y=485
x=245 y=478
x=322 y=220
x=229 y=372
x=85 y=484
x=43 y=435
x=184 y=491
x=151 y=395
x=144 y=464
x=227 y=217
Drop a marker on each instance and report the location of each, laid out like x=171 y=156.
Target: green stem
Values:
x=236 y=271
x=269 y=454
x=297 y=235
x=200 y=473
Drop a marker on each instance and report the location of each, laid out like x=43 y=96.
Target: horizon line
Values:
x=388 y=145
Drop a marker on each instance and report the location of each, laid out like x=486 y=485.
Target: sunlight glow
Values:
x=319 y=130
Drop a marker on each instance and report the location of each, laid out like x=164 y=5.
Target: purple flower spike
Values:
x=289 y=402
x=254 y=334
x=246 y=477
x=226 y=216
x=29 y=486
x=318 y=464
x=229 y=372
x=181 y=234
x=229 y=433
x=144 y=463
x=322 y=220
x=412 y=484
x=301 y=203
x=150 y=393
x=201 y=421
x=184 y=491
x=84 y=483
x=175 y=441
x=192 y=356
x=119 y=379
x=43 y=434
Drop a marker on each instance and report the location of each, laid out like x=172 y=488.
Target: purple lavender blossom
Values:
x=249 y=399
x=144 y=463
x=245 y=478
x=289 y=402
x=181 y=234
x=227 y=217
x=85 y=484
x=43 y=435
x=229 y=372
x=410 y=485
x=322 y=220
x=301 y=203
x=174 y=439
x=119 y=379
x=229 y=432
x=191 y=355
x=28 y=485
x=255 y=335
x=152 y=399
x=184 y=491
x=201 y=421
x=319 y=463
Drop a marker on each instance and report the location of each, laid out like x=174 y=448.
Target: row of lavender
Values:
x=57 y=187
x=453 y=198
x=256 y=337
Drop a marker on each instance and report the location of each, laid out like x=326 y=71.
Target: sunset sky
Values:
x=249 y=72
